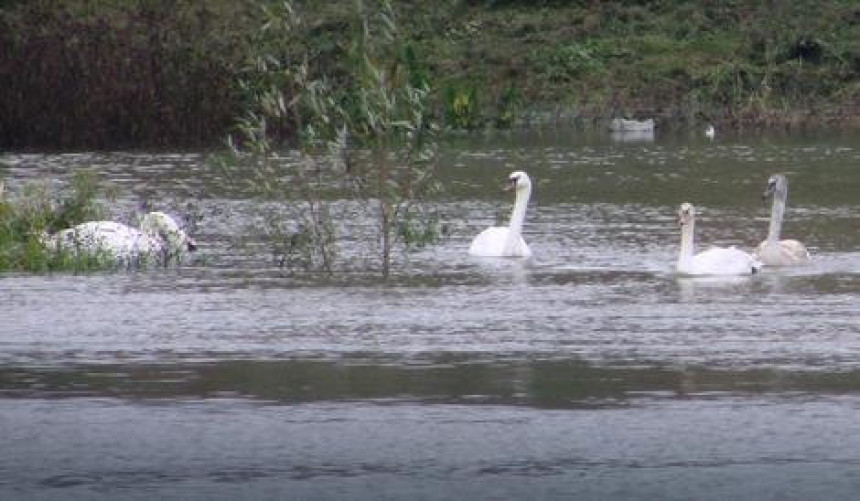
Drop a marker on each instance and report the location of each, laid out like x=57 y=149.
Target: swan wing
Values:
x=492 y=242
x=783 y=253
x=118 y=240
x=722 y=261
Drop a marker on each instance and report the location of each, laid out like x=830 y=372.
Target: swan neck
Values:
x=685 y=255
x=518 y=215
x=776 y=215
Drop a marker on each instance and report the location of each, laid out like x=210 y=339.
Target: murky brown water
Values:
x=588 y=372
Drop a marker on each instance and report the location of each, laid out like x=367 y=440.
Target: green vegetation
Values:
x=373 y=141
x=28 y=217
x=113 y=73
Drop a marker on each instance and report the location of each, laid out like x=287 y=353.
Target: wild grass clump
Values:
x=28 y=217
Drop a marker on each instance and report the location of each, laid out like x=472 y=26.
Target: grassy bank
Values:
x=110 y=73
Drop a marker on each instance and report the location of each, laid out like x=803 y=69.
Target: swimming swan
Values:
x=773 y=251
x=506 y=241
x=714 y=261
x=623 y=124
x=159 y=238
x=710 y=132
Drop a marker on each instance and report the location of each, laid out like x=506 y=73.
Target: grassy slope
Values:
x=739 y=61
x=118 y=73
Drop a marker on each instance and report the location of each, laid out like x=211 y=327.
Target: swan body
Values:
x=773 y=251
x=159 y=238
x=714 y=261
x=507 y=241
x=622 y=124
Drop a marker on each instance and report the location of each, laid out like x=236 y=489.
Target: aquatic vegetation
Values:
x=374 y=141
x=28 y=217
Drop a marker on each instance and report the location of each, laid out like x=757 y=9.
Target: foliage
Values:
x=114 y=73
x=373 y=140
x=27 y=218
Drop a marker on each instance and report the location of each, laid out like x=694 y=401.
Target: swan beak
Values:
x=768 y=192
x=192 y=245
x=511 y=184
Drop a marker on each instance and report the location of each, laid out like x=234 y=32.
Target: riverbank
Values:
x=113 y=75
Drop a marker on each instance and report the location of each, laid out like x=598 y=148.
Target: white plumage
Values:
x=159 y=238
x=507 y=241
x=773 y=251
x=714 y=261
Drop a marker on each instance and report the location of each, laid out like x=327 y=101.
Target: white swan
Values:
x=159 y=238
x=623 y=124
x=773 y=251
x=506 y=241
x=710 y=132
x=714 y=261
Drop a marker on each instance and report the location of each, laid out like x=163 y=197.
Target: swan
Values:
x=159 y=238
x=710 y=132
x=773 y=251
x=619 y=124
x=506 y=241
x=714 y=261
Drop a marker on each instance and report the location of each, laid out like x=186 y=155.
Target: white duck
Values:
x=507 y=241
x=159 y=238
x=773 y=251
x=714 y=261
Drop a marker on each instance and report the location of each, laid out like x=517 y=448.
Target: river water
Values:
x=587 y=372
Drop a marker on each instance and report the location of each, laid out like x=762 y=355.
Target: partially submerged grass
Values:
x=37 y=210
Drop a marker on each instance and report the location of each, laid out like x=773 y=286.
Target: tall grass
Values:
x=372 y=140
x=30 y=215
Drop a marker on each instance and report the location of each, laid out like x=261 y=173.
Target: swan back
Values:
x=108 y=237
x=782 y=253
x=159 y=238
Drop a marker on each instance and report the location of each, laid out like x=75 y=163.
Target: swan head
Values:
x=518 y=181
x=776 y=184
x=165 y=227
x=686 y=214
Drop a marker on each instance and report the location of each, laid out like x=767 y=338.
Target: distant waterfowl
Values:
x=159 y=239
x=710 y=132
x=714 y=261
x=773 y=251
x=507 y=241
x=621 y=124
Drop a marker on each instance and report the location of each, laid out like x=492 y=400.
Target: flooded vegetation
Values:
x=588 y=370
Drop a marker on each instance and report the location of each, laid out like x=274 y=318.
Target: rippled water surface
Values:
x=587 y=372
